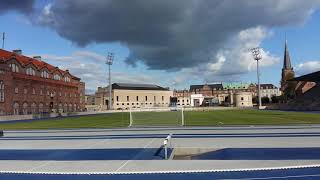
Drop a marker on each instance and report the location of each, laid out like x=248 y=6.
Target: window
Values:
x=241 y=98
x=30 y=71
x=25 y=108
x=41 y=92
x=44 y=74
x=14 y=68
x=162 y=98
x=40 y=107
x=146 y=98
x=67 y=79
x=1 y=91
x=33 y=91
x=16 y=90
x=117 y=98
x=127 y=98
x=137 y=98
x=15 y=108
x=57 y=77
x=25 y=91
x=154 y=98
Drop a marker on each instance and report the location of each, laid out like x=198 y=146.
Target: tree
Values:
x=265 y=100
x=275 y=99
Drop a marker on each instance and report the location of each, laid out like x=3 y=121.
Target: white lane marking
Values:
x=168 y=172
x=277 y=177
x=147 y=145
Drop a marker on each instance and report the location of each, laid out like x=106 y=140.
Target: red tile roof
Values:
x=24 y=61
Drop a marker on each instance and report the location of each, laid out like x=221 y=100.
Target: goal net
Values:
x=157 y=117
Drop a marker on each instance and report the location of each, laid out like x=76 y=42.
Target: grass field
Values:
x=192 y=118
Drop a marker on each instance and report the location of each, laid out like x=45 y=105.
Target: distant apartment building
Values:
x=221 y=94
x=32 y=86
x=90 y=99
x=181 y=98
x=269 y=90
x=125 y=96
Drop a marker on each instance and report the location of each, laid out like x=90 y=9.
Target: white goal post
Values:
x=171 y=116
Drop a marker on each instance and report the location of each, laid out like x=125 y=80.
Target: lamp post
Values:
x=109 y=62
x=257 y=56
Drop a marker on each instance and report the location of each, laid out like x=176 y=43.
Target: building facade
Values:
x=269 y=90
x=182 y=98
x=242 y=99
x=218 y=94
x=32 y=86
x=126 y=96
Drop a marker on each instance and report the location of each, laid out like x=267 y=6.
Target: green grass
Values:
x=192 y=118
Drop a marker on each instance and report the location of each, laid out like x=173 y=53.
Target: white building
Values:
x=242 y=99
x=196 y=99
x=269 y=90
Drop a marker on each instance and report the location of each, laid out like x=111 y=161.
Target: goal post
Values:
x=156 y=117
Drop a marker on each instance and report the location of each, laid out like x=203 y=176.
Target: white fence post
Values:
x=182 y=116
x=130 y=117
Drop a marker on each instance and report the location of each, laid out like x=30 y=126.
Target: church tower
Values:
x=287 y=70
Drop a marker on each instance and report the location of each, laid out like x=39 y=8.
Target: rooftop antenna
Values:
x=3 y=37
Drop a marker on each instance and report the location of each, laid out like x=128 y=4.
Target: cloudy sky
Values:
x=170 y=43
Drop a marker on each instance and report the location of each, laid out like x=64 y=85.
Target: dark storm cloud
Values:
x=24 y=6
x=169 y=34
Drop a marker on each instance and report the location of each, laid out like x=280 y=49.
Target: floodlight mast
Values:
x=257 y=56
x=110 y=58
x=3 y=38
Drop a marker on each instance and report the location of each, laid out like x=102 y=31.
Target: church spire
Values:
x=286 y=59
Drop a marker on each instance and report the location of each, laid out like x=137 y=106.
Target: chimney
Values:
x=37 y=58
x=17 y=51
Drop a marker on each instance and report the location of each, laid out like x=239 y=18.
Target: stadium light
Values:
x=109 y=62
x=257 y=56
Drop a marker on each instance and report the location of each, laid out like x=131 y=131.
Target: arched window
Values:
x=15 y=108
x=60 y=109
x=33 y=108
x=74 y=107
x=65 y=107
x=70 y=107
x=45 y=74
x=41 y=108
x=1 y=91
x=57 y=77
x=14 y=68
x=30 y=71
x=25 y=108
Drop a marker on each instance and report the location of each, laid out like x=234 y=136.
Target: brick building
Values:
x=32 y=86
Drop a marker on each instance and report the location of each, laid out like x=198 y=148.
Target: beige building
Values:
x=125 y=96
x=140 y=96
x=242 y=99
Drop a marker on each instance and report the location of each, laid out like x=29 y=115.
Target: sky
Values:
x=169 y=43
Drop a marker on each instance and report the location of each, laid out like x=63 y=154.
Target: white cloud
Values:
x=89 y=66
x=232 y=61
x=307 y=67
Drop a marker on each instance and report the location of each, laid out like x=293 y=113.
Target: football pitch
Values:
x=170 y=118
